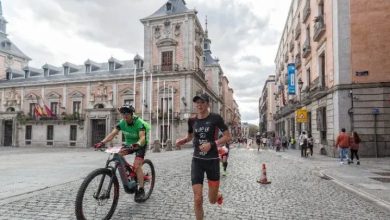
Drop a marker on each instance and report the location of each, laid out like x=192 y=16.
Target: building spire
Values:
x=206 y=32
x=3 y=22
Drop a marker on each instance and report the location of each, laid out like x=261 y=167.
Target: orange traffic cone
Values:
x=263 y=179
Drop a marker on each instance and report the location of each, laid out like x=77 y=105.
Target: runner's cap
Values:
x=203 y=97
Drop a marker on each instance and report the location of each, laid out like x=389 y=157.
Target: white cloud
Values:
x=245 y=35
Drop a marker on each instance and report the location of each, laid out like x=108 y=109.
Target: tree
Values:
x=253 y=129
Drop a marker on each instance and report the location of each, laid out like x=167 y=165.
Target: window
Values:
x=87 y=68
x=308 y=34
x=166 y=62
x=54 y=107
x=111 y=66
x=322 y=70
x=66 y=70
x=76 y=106
x=321 y=9
x=73 y=132
x=31 y=110
x=321 y=123
x=169 y=6
x=128 y=102
x=308 y=77
x=165 y=104
x=28 y=132
x=50 y=133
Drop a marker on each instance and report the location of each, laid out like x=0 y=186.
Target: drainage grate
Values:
x=381 y=179
x=382 y=173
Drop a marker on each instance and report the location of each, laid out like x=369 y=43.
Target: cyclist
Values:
x=134 y=130
x=224 y=155
x=204 y=129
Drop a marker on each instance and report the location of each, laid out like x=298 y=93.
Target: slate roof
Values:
x=8 y=47
x=178 y=7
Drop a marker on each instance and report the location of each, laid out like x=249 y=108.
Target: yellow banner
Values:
x=301 y=116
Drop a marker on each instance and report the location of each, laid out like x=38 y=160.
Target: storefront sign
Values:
x=301 y=116
x=291 y=78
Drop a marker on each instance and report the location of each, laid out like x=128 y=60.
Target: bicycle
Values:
x=102 y=184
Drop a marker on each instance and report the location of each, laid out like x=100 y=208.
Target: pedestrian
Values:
x=342 y=142
x=354 y=148
x=278 y=143
x=310 y=142
x=203 y=128
x=258 y=141
x=264 y=140
x=303 y=143
x=284 y=142
x=292 y=142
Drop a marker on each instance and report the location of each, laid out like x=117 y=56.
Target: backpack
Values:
x=305 y=142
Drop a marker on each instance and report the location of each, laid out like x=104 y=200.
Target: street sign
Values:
x=301 y=116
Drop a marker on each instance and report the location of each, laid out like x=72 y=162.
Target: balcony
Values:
x=63 y=118
x=306 y=11
x=319 y=28
x=298 y=60
x=292 y=46
x=306 y=48
x=165 y=68
x=286 y=57
x=297 y=31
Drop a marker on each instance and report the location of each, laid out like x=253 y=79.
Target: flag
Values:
x=48 y=111
x=38 y=110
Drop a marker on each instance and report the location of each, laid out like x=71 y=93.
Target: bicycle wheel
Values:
x=94 y=203
x=149 y=178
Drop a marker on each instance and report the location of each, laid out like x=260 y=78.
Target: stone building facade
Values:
x=341 y=72
x=267 y=107
x=75 y=105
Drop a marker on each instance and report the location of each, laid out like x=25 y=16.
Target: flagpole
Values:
x=173 y=106
x=134 y=82
x=169 y=128
x=150 y=107
x=158 y=99
x=163 y=116
x=143 y=93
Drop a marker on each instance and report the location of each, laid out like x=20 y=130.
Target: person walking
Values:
x=284 y=142
x=342 y=142
x=310 y=143
x=303 y=143
x=354 y=148
x=203 y=128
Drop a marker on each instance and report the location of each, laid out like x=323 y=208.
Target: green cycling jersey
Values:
x=131 y=131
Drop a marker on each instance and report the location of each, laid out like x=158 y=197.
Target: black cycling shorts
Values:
x=199 y=167
x=138 y=153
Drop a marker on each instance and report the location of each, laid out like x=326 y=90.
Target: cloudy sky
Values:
x=245 y=35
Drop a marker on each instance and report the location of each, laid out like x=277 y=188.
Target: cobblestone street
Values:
x=296 y=192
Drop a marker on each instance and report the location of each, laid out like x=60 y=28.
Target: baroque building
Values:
x=331 y=63
x=76 y=105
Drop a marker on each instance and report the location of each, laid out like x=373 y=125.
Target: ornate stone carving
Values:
x=157 y=33
x=101 y=94
x=12 y=98
x=177 y=29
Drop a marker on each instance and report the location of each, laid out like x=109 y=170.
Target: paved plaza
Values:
x=42 y=184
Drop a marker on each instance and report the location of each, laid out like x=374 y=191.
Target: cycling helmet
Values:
x=126 y=109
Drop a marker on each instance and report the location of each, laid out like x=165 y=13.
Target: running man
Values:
x=203 y=128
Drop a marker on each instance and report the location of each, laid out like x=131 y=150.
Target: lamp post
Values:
x=300 y=85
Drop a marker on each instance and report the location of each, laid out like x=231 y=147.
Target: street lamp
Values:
x=300 y=85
